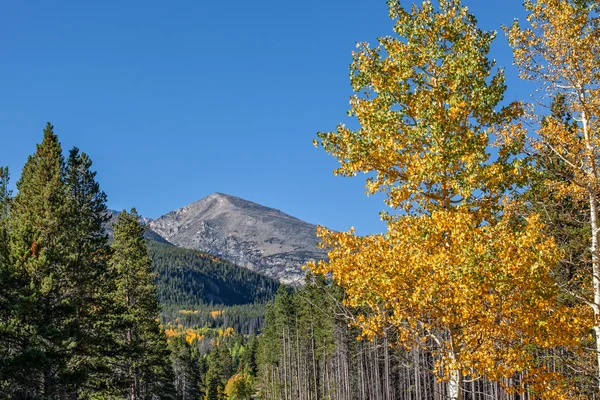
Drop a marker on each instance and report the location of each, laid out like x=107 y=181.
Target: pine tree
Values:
x=38 y=226
x=185 y=369
x=213 y=384
x=4 y=191
x=88 y=279
x=144 y=360
x=248 y=358
x=5 y=198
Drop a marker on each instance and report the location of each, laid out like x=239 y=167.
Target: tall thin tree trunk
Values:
x=314 y=359
x=285 y=371
x=454 y=386
x=593 y=180
x=298 y=366
x=596 y=276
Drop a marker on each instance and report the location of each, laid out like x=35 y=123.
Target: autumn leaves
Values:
x=462 y=268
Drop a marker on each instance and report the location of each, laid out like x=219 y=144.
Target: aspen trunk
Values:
x=592 y=183
x=285 y=370
x=596 y=276
x=455 y=385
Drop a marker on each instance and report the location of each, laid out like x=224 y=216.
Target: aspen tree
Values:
x=452 y=269
x=560 y=50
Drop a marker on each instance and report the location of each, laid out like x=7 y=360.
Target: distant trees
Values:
x=189 y=278
x=185 y=368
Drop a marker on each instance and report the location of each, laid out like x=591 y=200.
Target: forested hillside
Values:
x=190 y=278
x=198 y=289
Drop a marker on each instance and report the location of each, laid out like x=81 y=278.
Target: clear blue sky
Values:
x=175 y=100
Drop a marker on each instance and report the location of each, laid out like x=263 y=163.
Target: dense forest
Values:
x=189 y=278
x=197 y=289
x=485 y=284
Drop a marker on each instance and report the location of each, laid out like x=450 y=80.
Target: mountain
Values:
x=250 y=235
x=191 y=278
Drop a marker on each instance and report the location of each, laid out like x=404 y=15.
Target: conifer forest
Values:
x=484 y=285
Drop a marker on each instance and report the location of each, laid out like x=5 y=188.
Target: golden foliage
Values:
x=559 y=47
x=483 y=293
x=189 y=312
x=455 y=272
x=191 y=335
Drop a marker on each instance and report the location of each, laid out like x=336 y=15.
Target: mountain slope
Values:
x=189 y=278
x=250 y=235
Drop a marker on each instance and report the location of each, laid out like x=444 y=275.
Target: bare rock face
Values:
x=259 y=238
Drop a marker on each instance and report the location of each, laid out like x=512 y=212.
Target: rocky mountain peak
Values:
x=251 y=235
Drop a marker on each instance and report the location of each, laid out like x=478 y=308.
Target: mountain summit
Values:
x=248 y=234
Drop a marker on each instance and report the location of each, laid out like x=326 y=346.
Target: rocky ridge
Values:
x=250 y=235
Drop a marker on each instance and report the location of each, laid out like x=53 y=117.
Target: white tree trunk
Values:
x=454 y=385
x=592 y=187
x=596 y=275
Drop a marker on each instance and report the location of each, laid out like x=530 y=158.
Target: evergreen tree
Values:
x=4 y=191
x=5 y=196
x=213 y=385
x=88 y=279
x=248 y=358
x=144 y=359
x=38 y=226
x=185 y=368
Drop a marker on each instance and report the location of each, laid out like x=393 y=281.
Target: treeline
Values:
x=246 y=319
x=78 y=318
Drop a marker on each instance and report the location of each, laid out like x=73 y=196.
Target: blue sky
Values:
x=175 y=100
